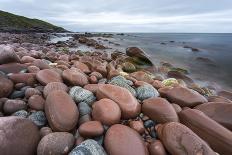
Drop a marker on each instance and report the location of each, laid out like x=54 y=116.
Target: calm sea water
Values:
x=217 y=48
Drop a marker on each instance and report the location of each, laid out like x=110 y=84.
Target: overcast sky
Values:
x=128 y=15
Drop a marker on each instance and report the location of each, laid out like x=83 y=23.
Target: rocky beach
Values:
x=87 y=95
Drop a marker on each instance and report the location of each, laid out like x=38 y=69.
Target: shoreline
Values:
x=59 y=99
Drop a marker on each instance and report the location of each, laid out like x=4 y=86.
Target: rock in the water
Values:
x=159 y=110
x=120 y=138
x=91 y=129
x=82 y=95
x=88 y=147
x=156 y=148
x=128 y=67
x=84 y=109
x=74 y=77
x=50 y=87
x=126 y=101
x=56 y=143
x=18 y=136
x=146 y=91
x=106 y=111
x=61 y=111
x=183 y=96
x=38 y=118
x=219 y=111
x=7 y=55
x=218 y=137
x=21 y=113
x=47 y=75
x=6 y=86
x=123 y=82
x=170 y=82
x=12 y=106
x=36 y=102
x=178 y=139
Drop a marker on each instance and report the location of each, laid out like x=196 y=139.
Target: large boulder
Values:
x=56 y=143
x=218 y=111
x=178 y=139
x=159 y=110
x=128 y=104
x=18 y=136
x=218 y=137
x=182 y=96
x=8 y=55
x=61 y=111
x=122 y=140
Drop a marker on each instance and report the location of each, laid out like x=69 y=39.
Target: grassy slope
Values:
x=11 y=22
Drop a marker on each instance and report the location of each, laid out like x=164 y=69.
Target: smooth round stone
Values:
x=179 y=139
x=92 y=87
x=36 y=102
x=170 y=82
x=75 y=78
x=61 y=111
x=82 y=95
x=20 y=136
x=19 y=86
x=120 y=139
x=137 y=126
x=142 y=76
x=84 y=119
x=88 y=147
x=83 y=67
x=6 y=86
x=27 y=59
x=97 y=75
x=17 y=94
x=33 y=69
x=84 y=109
x=45 y=131
x=218 y=111
x=106 y=111
x=21 y=113
x=176 y=107
x=27 y=78
x=56 y=143
x=160 y=110
x=12 y=106
x=128 y=104
x=47 y=75
x=31 y=91
x=182 y=96
x=91 y=129
x=54 y=86
x=38 y=118
x=7 y=55
x=93 y=79
x=41 y=64
x=12 y=68
x=146 y=91
x=156 y=148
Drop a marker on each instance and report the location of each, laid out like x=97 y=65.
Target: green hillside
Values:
x=14 y=23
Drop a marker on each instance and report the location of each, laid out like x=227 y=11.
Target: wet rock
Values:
x=27 y=78
x=6 y=86
x=38 y=118
x=82 y=95
x=170 y=82
x=53 y=86
x=142 y=76
x=31 y=91
x=146 y=91
x=225 y=94
x=7 y=55
x=218 y=137
x=218 y=111
x=159 y=110
x=178 y=139
x=124 y=138
x=12 y=106
x=91 y=129
x=149 y=123
x=179 y=75
x=156 y=148
x=183 y=96
x=84 y=109
x=88 y=147
x=20 y=136
x=21 y=113
x=218 y=99
x=36 y=102
x=128 y=67
x=56 y=143
x=126 y=101
x=46 y=76
x=58 y=118
x=106 y=111
x=75 y=78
